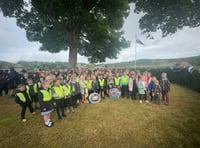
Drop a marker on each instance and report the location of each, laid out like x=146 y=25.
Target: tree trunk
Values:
x=73 y=51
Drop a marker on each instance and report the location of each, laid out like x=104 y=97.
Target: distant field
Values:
x=118 y=123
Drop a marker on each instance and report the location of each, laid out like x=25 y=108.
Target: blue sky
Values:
x=185 y=43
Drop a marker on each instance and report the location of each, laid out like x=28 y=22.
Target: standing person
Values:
x=23 y=99
x=106 y=87
x=101 y=82
x=83 y=88
x=156 y=92
x=132 y=87
x=117 y=80
x=75 y=91
x=142 y=86
x=30 y=90
x=149 y=78
x=68 y=96
x=151 y=86
x=58 y=95
x=4 y=82
x=12 y=81
x=95 y=85
x=165 y=85
x=110 y=83
x=45 y=97
x=124 y=84
x=89 y=84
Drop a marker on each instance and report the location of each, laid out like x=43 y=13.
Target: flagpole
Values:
x=135 y=51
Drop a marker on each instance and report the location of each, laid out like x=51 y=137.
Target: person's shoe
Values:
x=33 y=113
x=147 y=101
x=24 y=120
x=140 y=101
x=68 y=111
x=72 y=109
x=64 y=116
x=50 y=124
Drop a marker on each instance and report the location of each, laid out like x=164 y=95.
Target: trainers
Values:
x=50 y=124
x=24 y=120
x=72 y=109
x=147 y=101
x=68 y=111
x=140 y=101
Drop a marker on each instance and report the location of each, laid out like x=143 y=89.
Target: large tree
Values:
x=89 y=27
x=168 y=16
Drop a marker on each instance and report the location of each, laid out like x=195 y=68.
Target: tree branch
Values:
x=54 y=19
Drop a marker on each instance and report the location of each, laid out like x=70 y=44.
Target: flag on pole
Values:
x=139 y=42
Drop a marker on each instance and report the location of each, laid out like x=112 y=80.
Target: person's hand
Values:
x=44 y=109
x=54 y=103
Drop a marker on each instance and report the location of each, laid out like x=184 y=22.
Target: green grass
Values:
x=112 y=123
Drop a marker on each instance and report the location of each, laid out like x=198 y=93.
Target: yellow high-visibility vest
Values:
x=46 y=95
x=67 y=90
x=117 y=81
x=89 y=83
x=101 y=82
x=21 y=97
x=59 y=91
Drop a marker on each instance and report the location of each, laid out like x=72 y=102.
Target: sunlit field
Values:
x=112 y=123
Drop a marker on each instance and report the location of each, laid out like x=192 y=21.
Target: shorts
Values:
x=46 y=113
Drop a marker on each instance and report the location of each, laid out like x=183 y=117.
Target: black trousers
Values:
x=59 y=106
x=150 y=93
x=74 y=100
x=68 y=102
x=133 y=95
x=4 y=87
x=125 y=91
x=24 y=106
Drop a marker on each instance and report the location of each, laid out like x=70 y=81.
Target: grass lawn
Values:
x=119 y=123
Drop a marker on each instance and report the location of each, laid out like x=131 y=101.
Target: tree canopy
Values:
x=167 y=15
x=90 y=27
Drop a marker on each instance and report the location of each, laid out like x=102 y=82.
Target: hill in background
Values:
x=35 y=65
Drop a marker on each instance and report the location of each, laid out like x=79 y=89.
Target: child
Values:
x=142 y=86
x=58 y=95
x=89 y=84
x=83 y=88
x=110 y=83
x=101 y=86
x=95 y=85
x=124 y=83
x=68 y=99
x=165 y=85
x=30 y=89
x=132 y=87
x=23 y=99
x=45 y=97
x=156 y=92
x=106 y=87
x=75 y=91
x=117 y=79
x=151 y=86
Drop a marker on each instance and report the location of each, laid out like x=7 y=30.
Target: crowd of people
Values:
x=64 y=90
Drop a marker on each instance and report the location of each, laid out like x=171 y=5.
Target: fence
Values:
x=180 y=76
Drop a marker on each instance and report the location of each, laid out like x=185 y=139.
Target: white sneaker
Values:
x=147 y=101
x=140 y=101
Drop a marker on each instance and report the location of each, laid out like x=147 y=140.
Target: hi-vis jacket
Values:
x=57 y=92
x=67 y=90
x=45 y=98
